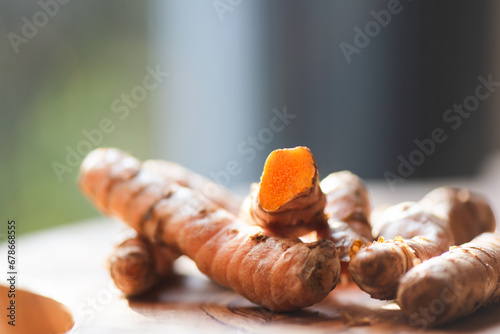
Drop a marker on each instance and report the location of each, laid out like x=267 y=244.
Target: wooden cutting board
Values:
x=68 y=265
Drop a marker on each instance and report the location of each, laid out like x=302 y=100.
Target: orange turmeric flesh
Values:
x=288 y=201
x=287 y=173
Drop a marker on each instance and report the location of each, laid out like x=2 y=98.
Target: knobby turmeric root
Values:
x=414 y=234
x=136 y=265
x=469 y=213
x=280 y=274
x=454 y=284
x=348 y=210
x=114 y=162
x=288 y=201
x=419 y=231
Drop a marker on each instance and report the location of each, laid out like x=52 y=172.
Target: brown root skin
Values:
x=280 y=274
x=410 y=219
x=347 y=197
x=378 y=267
x=301 y=212
x=374 y=267
x=461 y=207
x=103 y=170
x=99 y=168
x=186 y=178
x=348 y=210
x=432 y=224
x=300 y=216
x=136 y=265
x=456 y=283
x=344 y=234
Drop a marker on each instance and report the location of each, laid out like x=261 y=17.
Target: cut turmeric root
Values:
x=136 y=265
x=417 y=234
x=288 y=200
x=453 y=284
x=288 y=173
x=278 y=273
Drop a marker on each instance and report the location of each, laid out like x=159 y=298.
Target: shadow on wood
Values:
x=196 y=302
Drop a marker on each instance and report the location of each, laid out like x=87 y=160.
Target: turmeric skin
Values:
x=419 y=231
x=136 y=265
x=468 y=212
x=456 y=283
x=348 y=211
x=281 y=274
x=110 y=163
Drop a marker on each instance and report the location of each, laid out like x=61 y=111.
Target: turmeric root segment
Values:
x=348 y=210
x=288 y=201
x=136 y=265
x=453 y=285
x=377 y=268
x=278 y=273
x=104 y=167
x=469 y=214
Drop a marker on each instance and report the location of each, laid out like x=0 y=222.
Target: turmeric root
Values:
x=136 y=265
x=122 y=165
x=453 y=284
x=278 y=273
x=378 y=267
x=348 y=210
x=468 y=212
x=288 y=200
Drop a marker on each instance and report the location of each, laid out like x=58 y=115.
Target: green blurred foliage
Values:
x=62 y=82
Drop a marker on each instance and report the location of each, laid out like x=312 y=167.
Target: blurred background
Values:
x=215 y=83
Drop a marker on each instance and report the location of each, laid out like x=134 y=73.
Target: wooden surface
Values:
x=68 y=265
